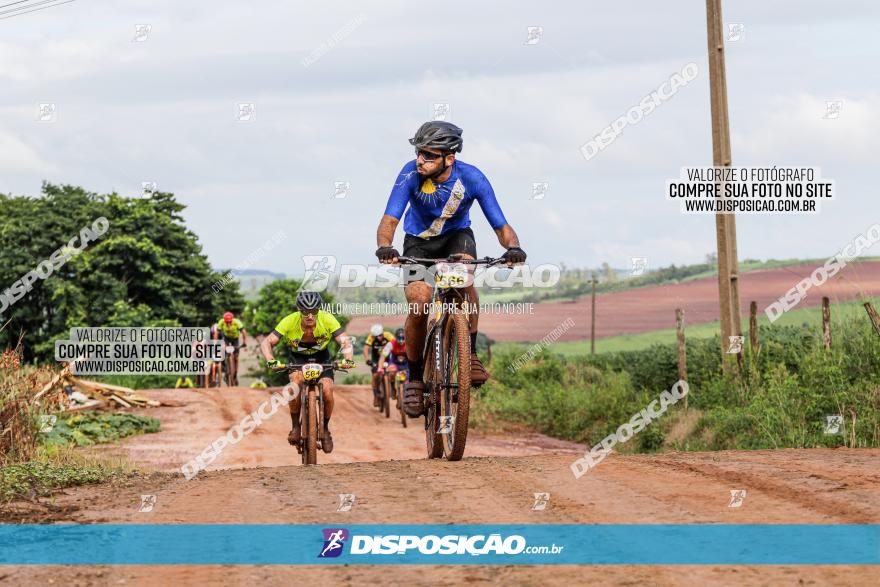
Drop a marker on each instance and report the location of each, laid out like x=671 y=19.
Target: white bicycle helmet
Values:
x=376 y=329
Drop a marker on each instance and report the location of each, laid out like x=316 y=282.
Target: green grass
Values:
x=643 y=340
x=87 y=428
x=40 y=479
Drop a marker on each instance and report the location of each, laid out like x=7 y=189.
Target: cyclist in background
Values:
x=373 y=345
x=393 y=357
x=230 y=327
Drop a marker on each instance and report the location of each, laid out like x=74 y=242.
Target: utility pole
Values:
x=725 y=224
x=593 y=319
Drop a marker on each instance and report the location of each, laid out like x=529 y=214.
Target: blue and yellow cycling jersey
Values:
x=437 y=208
x=290 y=331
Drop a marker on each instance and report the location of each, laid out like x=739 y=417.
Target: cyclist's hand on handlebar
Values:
x=387 y=254
x=346 y=364
x=275 y=365
x=369 y=362
x=514 y=255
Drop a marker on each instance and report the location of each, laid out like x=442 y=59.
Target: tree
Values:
x=148 y=269
x=608 y=273
x=275 y=301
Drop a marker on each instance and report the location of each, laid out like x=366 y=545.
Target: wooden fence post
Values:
x=872 y=314
x=593 y=316
x=753 y=328
x=826 y=322
x=682 y=354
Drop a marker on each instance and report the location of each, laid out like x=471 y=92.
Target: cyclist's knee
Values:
x=418 y=292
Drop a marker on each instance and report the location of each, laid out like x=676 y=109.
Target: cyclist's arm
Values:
x=268 y=343
x=397 y=203
x=385 y=232
x=507 y=236
x=243 y=337
x=383 y=356
x=345 y=345
x=489 y=204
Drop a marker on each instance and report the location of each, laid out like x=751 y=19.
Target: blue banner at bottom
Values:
x=562 y=544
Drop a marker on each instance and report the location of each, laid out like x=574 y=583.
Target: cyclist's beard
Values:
x=437 y=173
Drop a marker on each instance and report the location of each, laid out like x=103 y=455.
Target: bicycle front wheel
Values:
x=455 y=390
x=310 y=451
x=433 y=361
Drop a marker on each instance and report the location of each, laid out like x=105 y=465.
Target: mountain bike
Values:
x=228 y=365
x=311 y=406
x=446 y=356
x=396 y=381
x=384 y=396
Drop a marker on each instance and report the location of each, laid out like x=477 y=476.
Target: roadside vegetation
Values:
x=37 y=443
x=780 y=399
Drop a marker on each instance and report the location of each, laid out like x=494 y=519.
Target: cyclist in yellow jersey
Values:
x=373 y=345
x=229 y=327
x=306 y=334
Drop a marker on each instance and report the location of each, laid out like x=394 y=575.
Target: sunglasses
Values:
x=309 y=312
x=426 y=156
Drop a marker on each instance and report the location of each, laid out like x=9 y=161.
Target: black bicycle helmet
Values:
x=439 y=135
x=308 y=300
x=399 y=334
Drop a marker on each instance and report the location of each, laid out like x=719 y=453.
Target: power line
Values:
x=11 y=3
x=32 y=10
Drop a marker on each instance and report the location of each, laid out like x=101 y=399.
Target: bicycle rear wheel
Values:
x=455 y=391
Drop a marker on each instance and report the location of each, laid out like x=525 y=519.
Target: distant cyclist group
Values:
x=436 y=191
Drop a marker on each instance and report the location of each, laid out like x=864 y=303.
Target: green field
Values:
x=632 y=342
x=514 y=294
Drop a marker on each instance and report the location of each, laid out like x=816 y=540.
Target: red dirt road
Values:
x=652 y=308
x=785 y=486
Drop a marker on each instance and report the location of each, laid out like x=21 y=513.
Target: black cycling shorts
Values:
x=438 y=247
x=322 y=356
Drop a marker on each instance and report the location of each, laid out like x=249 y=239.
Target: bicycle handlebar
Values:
x=291 y=367
x=455 y=258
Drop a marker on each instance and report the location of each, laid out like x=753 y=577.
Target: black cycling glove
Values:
x=387 y=253
x=514 y=255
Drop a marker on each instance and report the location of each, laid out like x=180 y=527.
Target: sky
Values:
x=136 y=105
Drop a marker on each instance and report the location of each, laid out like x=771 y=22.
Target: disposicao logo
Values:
x=334 y=540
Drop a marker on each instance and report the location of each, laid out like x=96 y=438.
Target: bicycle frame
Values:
x=448 y=297
x=310 y=386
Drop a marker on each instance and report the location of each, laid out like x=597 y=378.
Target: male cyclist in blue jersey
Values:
x=439 y=191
